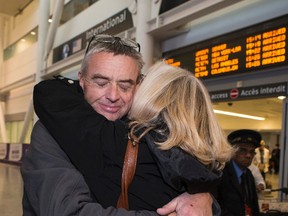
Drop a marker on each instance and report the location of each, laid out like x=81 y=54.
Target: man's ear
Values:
x=79 y=75
x=80 y=78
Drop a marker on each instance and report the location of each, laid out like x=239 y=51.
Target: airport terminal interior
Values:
x=238 y=48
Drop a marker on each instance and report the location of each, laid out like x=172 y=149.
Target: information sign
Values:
x=251 y=49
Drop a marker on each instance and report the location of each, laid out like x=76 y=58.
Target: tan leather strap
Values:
x=128 y=171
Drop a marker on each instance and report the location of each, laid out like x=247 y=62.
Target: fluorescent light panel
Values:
x=281 y=97
x=239 y=115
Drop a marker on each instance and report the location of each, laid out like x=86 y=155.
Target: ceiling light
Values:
x=50 y=20
x=23 y=40
x=33 y=33
x=281 y=97
x=239 y=115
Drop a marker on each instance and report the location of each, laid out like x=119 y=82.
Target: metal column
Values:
x=145 y=40
x=3 y=133
x=283 y=172
x=42 y=33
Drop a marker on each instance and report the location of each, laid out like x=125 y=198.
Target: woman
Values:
x=192 y=148
x=175 y=105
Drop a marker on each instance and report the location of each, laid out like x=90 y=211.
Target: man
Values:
x=259 y=180
x=275 y=157
x=52 y=185
x=262 y=158
x=237 y=192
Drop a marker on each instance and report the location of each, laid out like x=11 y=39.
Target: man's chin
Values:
x=111 y=116
x=247 y=164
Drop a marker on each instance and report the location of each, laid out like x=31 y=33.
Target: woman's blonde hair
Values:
x=172 y=102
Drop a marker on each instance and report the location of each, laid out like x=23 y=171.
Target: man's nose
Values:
x=250 y=154
x=113 y=93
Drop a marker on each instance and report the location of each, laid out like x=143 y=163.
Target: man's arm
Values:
x=52 y=186
x=259 y=180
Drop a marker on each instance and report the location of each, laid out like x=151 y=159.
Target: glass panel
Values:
x=29 y=131
x=14 y=132
x=74 y=7
x=19 y=46
x=71 y=9
x=8 y=131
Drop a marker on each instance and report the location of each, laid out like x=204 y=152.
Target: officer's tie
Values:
x=245 y=191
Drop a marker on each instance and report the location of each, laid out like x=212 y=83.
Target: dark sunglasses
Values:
x=111 y=39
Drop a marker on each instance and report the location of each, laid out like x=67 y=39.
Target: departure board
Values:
x=247 y=50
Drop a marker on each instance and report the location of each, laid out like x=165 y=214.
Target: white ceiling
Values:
x=12 y=7
x=269 y=108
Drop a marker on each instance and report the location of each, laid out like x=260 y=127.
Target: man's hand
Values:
x=260 y=187
x=188 y=205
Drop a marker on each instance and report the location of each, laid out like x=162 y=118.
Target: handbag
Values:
x=128 y=170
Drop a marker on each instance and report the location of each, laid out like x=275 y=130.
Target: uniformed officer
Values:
x=237 y=192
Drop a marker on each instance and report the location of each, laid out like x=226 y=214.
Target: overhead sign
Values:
x=234 y=93
x=113 y=25
x=263 y=91
x=251 y=49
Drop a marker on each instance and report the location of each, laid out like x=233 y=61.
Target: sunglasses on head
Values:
x=111 y=39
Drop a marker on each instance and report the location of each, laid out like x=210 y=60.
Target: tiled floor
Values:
x=11 y=187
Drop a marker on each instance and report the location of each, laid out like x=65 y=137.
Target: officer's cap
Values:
x=245 y=136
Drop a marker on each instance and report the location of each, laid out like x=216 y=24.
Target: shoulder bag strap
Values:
x=128 y=171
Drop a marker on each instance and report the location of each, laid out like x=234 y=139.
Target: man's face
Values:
x=110 y=84
x=244 y=155
x=262 y=144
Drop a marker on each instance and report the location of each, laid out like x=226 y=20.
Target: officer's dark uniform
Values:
x=230 y=194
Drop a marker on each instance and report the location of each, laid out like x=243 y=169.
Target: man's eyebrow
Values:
x=99 y=76
x=130 y=81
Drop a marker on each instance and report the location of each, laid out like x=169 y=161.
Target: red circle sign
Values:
x=234 y=93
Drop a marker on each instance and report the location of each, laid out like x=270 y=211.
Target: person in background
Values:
x=237 y=193
x=109 y=77
x=261 y=159
x=275 y=157
x=259 y=180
